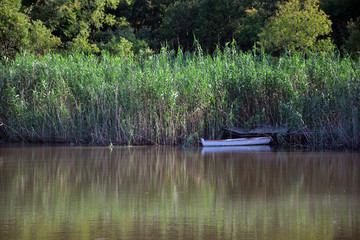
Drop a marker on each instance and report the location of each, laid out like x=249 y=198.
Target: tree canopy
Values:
x=296 y=26
x=18 y=32
x=135 y=26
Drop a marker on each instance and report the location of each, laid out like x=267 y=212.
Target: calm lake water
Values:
x=169 y=193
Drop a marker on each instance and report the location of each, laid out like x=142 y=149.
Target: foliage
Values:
x=74 y=21
x=296 y=26
x=81 y=43
x=341 y=12
x=119 y=47
x=217 y=22
x=119 y=39
x=352 y=44
x=18 y=33
x=148 y=13
x=145 y=17
x=93 y=26
x=250 y=27
x=179 y=24
x=88 y=27
x=14 y=28
x=41 y=39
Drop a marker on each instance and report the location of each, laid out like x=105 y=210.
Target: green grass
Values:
x=173 y=97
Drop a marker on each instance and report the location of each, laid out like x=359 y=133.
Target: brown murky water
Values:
x=168 y=193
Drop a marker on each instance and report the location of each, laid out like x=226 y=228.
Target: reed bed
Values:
x=176 y=98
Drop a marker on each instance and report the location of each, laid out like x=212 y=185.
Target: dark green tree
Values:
x=145 y=17
x=250 y=26
x=148 y=13
x=341 y=12
x=217 y=21
x=179 y=23
x=352 y=44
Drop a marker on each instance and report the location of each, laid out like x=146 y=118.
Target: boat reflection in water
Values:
x=236 y=149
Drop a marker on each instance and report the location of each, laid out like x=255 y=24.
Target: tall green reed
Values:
x=174 y=96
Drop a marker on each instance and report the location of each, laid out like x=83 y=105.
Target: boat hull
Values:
x=236 y=142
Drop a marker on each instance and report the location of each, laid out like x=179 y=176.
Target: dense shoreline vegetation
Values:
x=177 y=97
x=108 y=72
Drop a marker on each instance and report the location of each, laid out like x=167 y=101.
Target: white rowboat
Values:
x=236 y=142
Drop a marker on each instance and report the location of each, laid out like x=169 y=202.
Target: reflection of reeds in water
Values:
x=132 y=193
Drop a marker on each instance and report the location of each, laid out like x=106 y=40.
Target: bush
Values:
x=14 y=28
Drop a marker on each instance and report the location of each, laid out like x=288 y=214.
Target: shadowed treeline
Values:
x=162 y=193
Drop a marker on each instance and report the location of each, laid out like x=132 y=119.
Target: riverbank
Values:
x=176 y=98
